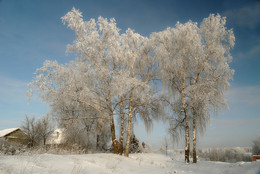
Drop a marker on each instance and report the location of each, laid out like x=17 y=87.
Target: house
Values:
x=15 y=135
x=56 y=138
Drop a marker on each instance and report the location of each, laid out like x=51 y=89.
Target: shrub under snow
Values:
x=226 y=155
x=256 y=146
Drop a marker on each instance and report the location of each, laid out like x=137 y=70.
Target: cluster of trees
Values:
x=194 y=68
x=38 y=130
x=226 y=155
x=256 y=146
x=180 y=73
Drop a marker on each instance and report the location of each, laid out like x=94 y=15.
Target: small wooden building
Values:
x=15 y=135
x=56 y=138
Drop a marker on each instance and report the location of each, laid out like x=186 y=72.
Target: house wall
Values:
x=18 y=136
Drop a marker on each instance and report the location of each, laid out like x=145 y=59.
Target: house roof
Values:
x=7 y=131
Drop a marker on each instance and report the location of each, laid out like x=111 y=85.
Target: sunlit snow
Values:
x=152 y=163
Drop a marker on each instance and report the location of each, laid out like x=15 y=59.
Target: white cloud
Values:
x=11 y=82
x=251 y=53
x=12 y=90
x=5 y=124
x=246 y=95
x=238 y=122
x=247 y=16
x=14 y=103
x=231 y=133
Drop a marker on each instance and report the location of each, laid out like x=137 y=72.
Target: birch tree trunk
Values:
x=122 y=128
x=194 y=139
x=128 y=133
x=187 y=134
x=130 y=116
x=187 y=130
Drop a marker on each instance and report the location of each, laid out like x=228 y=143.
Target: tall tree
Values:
x=194 y=67
x=95 y=45
x=139 y=68
x=111 y=71
x=29 y=126
x=176 y=50
x=44 y=128
x=212 y=75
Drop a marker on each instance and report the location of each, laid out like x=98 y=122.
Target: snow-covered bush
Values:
x=85 y=135
x=38 y=130
x=146 y=148
x=225 y=155
x=256 y=146
x=137 y=147
x=7 y=148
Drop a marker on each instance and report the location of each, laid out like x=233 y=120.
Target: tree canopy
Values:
x=125 y=74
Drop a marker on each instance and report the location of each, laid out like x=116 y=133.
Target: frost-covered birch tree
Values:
x=176 y=50
x=194 y=67
x=126 y=73
x=212 y=74
x=86 y=83
x=114 y=75
x=111 y=76
x=96 y=45
x=139 y=69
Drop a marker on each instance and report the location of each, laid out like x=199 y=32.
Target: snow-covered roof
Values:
x=7 y=131
x=56 y=137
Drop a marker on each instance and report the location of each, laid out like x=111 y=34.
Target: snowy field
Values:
x=151 y=163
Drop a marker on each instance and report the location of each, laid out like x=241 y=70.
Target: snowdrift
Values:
x=152 y=163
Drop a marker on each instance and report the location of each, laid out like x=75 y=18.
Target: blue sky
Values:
x=31 y=32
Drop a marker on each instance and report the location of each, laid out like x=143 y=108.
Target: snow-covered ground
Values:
x=152 y=163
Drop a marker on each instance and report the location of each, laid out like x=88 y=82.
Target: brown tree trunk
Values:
x=112 y=124
x=97 y=144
